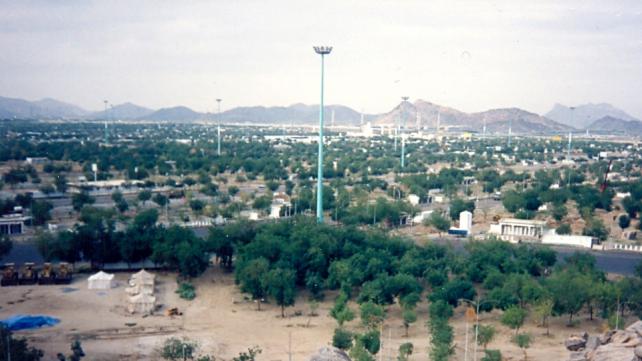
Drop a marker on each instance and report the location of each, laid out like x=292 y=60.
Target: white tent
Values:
x=141 y=303
x=101 y=281
x=143 y=278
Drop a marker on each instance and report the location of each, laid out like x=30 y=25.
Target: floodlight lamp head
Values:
x=323 y=50
x=219 y=100
x=405 y=99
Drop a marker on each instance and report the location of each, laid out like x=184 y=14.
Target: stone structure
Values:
x=620 y=345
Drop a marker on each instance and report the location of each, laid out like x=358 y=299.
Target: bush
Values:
x=186 y=291
x=492 y=355
x=342 y=339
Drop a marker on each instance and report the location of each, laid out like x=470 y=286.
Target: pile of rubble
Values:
x=620 y=345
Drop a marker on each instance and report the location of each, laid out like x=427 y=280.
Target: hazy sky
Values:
x=469 y=55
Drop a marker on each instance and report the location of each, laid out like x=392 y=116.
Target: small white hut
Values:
x=101 y=281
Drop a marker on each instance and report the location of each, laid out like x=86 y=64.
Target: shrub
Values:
x=186 y=291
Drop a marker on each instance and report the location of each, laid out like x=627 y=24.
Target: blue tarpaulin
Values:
x=27 y=322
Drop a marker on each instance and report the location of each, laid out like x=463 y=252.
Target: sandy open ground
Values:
x=225 y=323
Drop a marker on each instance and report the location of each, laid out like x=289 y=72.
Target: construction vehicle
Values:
x=9 y=275
x=28 y=274
x=47 y=276
x=64 y=274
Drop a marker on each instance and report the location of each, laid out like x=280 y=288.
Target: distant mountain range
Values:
x=425 y=114
x=126 y=111
x=614 y=125
x=582 y=116
x=598 y=117
x=45 y=108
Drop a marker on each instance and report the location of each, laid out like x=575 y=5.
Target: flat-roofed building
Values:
x=13 y=224
x=518 y=230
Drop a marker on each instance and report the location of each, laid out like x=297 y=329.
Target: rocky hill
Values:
x=428 y=114
x=582 y=116
x=613 y=125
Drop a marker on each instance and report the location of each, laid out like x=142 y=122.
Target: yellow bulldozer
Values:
x=9 y=275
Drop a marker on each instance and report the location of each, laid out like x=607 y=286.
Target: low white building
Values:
x=12 y=224
x=421 y=216
x=413 y=199
x=518 y=230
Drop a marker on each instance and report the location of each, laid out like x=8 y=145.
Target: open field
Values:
x=224 y=323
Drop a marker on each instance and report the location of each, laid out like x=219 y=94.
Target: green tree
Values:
x=485 y=334
x=281 y=285
x=439 y=222
x=523 y=341
x=19 y=349
x=623 y=221
x=559 y=212
x=564 y=228
x=160 y=199
x=513 y=201
x=459 y=205
x=341 y=312
x=543 y=310
x=569 y=290
x=371 y=340
x=79 y=200
x=595 y=228
x=405 y=350
x=372 y=315
x=342 y=339
x=252 y=278
x=492 y=355
x=409 y=317
x=514 y=318
x=631 y=206
x=40 y=212
x=144 y=195
x=175 y=349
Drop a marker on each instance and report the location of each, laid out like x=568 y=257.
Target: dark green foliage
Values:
x=441 y=332
x=250 y=355
x=40 y=212
x=453 y=291
x=5 y=245
x=79 y=200
x=564 y=228
x=18 y=348
x=371 y=341
x=144 y=195
x=459 y=205
x=405 y=350
x=175 y=349
x=492 y=355
x=623 y=221
x=514 y=317
x=342 y=339
x=281 y=285
x=186 y=291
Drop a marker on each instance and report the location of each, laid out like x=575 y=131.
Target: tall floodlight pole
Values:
x=323 y=51
x=218 y=131
x=106 y=130
x=403 y=129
